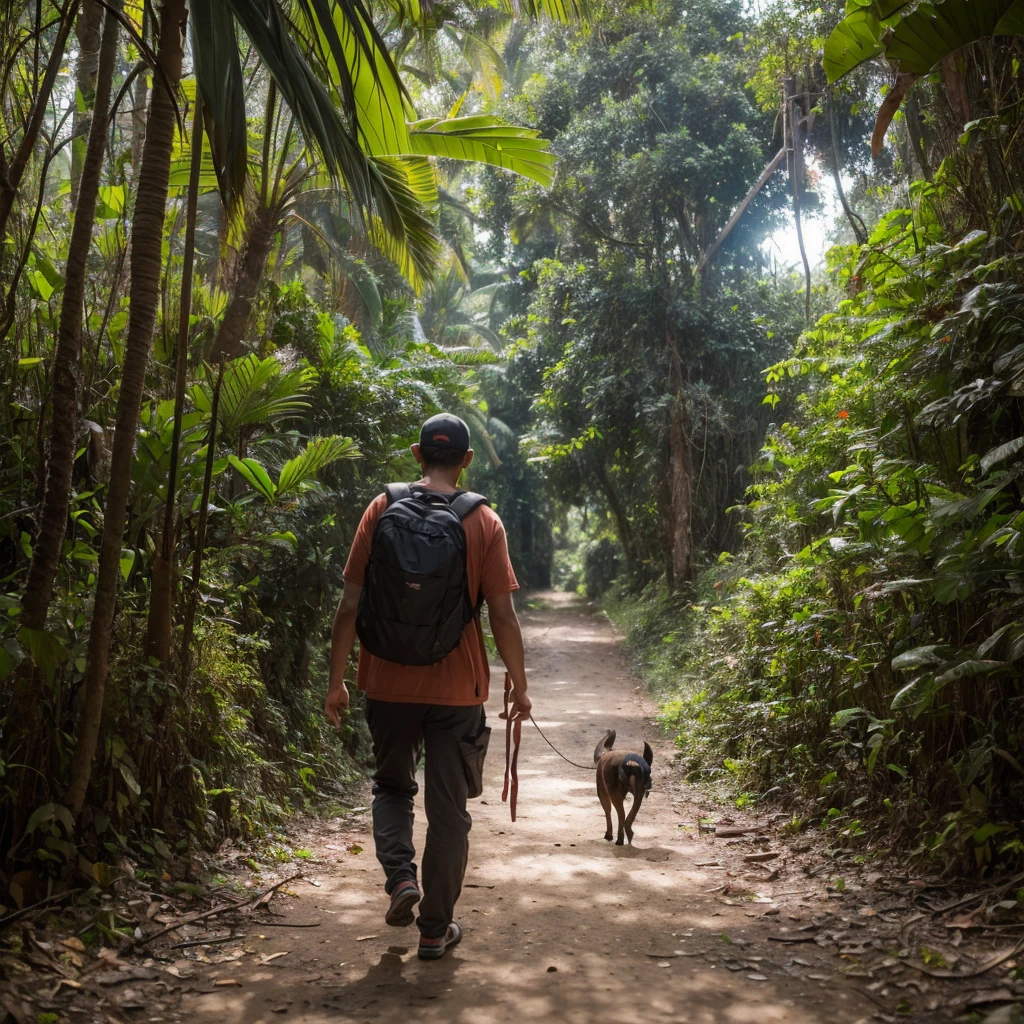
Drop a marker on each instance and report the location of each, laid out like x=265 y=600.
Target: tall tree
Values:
x=146 y=271
x=67 y=361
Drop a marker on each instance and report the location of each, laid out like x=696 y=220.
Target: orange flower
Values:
x=948 y=338
x=843 y=414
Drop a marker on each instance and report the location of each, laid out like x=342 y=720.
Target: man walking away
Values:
x=414 y=582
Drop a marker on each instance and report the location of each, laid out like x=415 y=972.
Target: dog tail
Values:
x=648 y=754
x=605 y=743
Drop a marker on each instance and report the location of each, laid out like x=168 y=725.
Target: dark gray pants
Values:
x=400 y=732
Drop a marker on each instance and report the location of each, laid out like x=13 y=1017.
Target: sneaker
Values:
x=434 y=949
x=403 y=899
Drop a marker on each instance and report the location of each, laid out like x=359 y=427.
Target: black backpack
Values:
x=415 y=601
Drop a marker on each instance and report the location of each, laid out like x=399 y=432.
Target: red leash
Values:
x=513 y=734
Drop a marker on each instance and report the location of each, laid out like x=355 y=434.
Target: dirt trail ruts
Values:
x=559 y=924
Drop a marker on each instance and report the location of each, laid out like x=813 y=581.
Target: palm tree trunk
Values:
x=87 y=31
x=161 y=601
x=67 y=364
x=146 y=269
x=10 y=181
x=227 y=344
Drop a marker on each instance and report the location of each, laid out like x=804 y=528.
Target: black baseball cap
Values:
x=445 y=431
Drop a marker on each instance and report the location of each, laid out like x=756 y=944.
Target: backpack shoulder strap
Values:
x=464 y=503
x=396 y=492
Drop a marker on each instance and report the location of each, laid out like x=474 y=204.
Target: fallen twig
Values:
x=286 y=924
x=979 y=895
x=266 y=896
x=17 y=914
x=255 y=901
x=989 y=964
x=207 y=942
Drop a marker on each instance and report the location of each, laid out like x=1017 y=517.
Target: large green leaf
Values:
x=299 y=472
x=931 y=33
x=253 y=472
x=920 y=38
x=1012 y=22
x=360 y=70
x=309 y=100
x=564 y=11
x=489 y=140
x=856 y=39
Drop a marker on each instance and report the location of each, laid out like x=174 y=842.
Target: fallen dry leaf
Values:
x=996 y=995
x=74 y=943
x=273 y=956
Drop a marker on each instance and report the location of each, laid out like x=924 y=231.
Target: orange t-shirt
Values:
x=463 y=677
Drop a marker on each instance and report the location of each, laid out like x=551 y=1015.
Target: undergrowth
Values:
x=860 y=659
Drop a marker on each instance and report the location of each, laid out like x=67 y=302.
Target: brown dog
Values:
x=618 y=773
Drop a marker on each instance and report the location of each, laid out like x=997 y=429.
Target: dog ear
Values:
x=603 y=744
x=648 y=754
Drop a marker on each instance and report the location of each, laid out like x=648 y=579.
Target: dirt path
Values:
x=560 y=925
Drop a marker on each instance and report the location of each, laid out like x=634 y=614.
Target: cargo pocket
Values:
x=474 y=750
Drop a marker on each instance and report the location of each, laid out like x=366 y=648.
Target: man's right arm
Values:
x=509 y=638
x=343 y=636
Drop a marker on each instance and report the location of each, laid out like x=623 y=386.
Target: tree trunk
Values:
x=11 y=180
x=161 y=602
x=622 y=524
x=956 y=90
x=680 y=473
x=87 y=31
x=227 y=344
x=67 y=363
x=860 y=230
x=797 y=178
x=146 y=268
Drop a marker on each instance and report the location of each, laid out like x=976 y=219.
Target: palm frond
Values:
x=306 y=97
x=468 y=355
x=408 y=238
x=563 y=11
x=220 y=85
x=485 y=139
x=360 y=69
x=298 y=474
x=256 y=391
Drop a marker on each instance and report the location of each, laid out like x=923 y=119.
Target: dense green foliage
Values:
x=225 y=314
x=237 y=271
x=860 y=655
